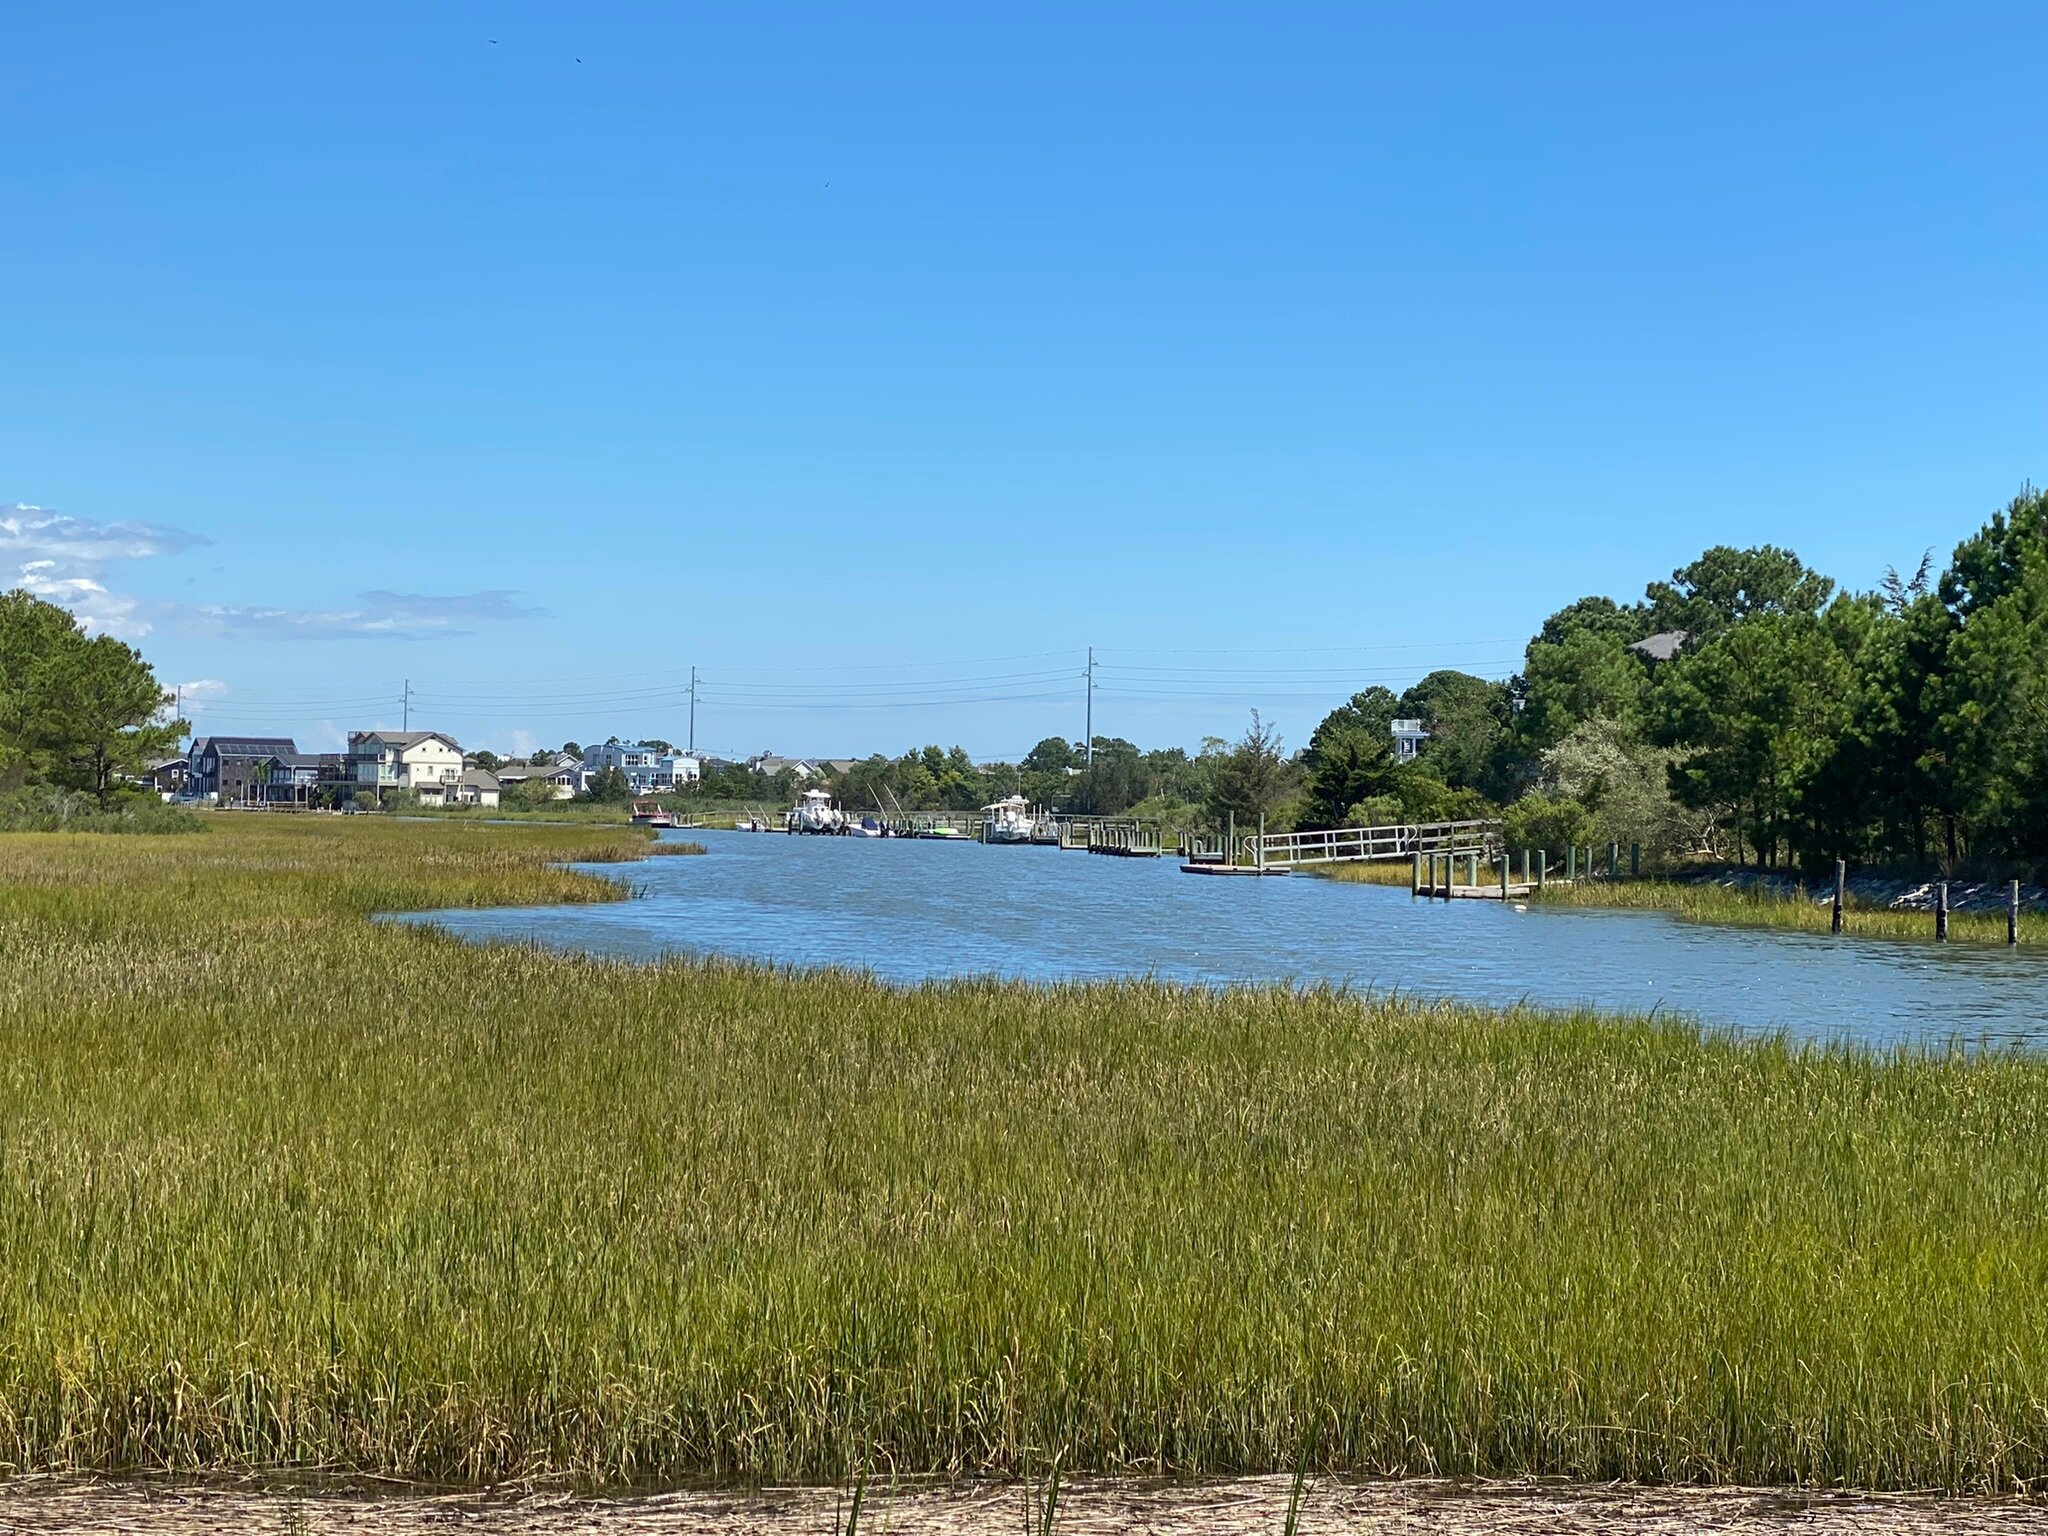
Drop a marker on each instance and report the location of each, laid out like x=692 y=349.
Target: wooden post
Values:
x=1841 y=889
x=1941 y=911
x=1415 y=881
x=1525 y=866
x=2012 y=913
x=1542 y=866
x=1613 y=858
x=1472 y=869
x=1259 y=848
x=1504 y=861
x=1571 y=862
x=1635 y=860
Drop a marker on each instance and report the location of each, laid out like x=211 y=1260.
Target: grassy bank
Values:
x=1741 y=907
x=282 y=1187
x=1762 y=908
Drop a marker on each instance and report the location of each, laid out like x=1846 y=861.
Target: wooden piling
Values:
x=1635 y=860
x=1613 y=858
x=1415 y=880
x=1571 y=861
x=1542 y=866
x=2012 y=913
x=1525 y=866
x=1841 y=890
x=1941 y=912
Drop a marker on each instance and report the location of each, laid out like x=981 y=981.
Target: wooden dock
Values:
x=1213 y=867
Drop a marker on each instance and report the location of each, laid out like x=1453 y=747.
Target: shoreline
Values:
x=1247 y=1506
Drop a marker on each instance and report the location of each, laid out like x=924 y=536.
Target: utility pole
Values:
x=693 y=711
x=408 y=706
x=1090 y=745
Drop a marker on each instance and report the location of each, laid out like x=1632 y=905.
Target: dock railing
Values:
x=1358 y=845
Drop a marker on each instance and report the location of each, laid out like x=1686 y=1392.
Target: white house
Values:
x=403 y=759
x=1408 y=739
x=648 y=770
x=475 y=786
x=565 y=776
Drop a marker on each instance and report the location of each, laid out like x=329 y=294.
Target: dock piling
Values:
x=2012 y=913
x=1941 y=911
x=1415 y=880
x=1542 y=866
x=1841 y=890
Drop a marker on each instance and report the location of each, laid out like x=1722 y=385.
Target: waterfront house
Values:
x=648 y=769
x=474 y=786
x=768 y=765
x=166 y=775
x=1408 y=739
x=565 y=775
x=225 y=768
x=291 y=778
x=381 y=760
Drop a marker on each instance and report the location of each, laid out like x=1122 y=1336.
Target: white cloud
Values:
x=32 y=533
x=62 y=560
x=97 y=610
x=377 y=615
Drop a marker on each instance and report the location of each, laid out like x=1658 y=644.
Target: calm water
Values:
x=909 y=911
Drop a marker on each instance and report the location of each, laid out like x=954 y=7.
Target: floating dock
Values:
x=1206 y=867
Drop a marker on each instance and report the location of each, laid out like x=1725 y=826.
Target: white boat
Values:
x=815 y=814
x=1008 y=821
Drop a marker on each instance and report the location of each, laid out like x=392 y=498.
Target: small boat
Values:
x=750 y=824
x=869 y=827
x=1007 y=821
x=815 y=815
x=647 y=813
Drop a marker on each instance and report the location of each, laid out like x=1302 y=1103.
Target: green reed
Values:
x=281 y=1187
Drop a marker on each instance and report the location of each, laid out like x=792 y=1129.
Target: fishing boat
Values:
x=647 y=813
x=815 y=814
x=868 y=826
x=1007 y=821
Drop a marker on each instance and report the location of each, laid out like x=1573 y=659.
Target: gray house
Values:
x=229 y=768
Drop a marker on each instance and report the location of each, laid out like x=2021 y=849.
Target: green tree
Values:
x=1253 y=778
x=609 y=786
x=1350 y=756
x=1725 y=586
x=1756 y=713
x=1468 y=719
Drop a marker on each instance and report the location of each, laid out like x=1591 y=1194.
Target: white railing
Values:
x=1358 y=845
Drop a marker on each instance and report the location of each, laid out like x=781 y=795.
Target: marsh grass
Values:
x=1734 y=906
x=1757 y=907
x=280 y=1187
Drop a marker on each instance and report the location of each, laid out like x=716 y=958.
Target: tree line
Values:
x=1746 y=710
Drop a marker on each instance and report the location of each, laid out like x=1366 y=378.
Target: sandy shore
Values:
x=75 y=1507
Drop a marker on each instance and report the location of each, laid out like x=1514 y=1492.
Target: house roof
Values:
x=243 y=746
x=404 y=739
x=482 y=778
x=1661 y=646
x=295 y=759
x=158 y=764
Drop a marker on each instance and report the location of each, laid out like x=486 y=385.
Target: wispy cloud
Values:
x=376 y=615
x=100 y=611
x=61 y=559
x=32 y=533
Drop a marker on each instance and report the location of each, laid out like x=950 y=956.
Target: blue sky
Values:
x=877 y=360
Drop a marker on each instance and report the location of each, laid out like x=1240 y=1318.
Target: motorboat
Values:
x=815 y=814
x=648 y=813
x=1007 y=821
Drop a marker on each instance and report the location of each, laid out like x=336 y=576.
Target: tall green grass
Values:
x=1758 y=907
x=283 y=1187
x=1733 y=906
